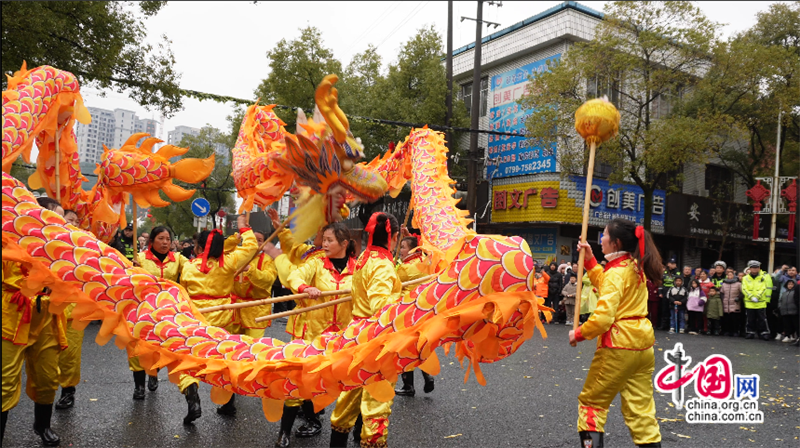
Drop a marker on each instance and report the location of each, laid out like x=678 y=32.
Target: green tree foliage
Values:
x=102 y=43
x=646 y=56
x=217 y=188
x=753 y=78
x=296 y=68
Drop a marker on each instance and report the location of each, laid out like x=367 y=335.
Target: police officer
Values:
x=757 y=289
x=718 y=273
x=667 y=282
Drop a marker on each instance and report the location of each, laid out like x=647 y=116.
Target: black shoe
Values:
x=41 y=424
x=152 y=383
x=428 y=383
x=339 y=439
x=750 y=336
x=67 y=399
x=287 y=421
x=313 y=426
x=357 y=429
x=138 y=385
x=408 y=385
x=650 y=445
x=591 y=439
x=3 y=419
x=766 y=337
x=194 y=410
x=228 y=409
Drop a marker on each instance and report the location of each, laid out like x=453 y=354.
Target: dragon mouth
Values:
x=363 y=184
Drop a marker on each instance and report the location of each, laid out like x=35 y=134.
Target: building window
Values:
x=662 y=105
x=719 y=182
x=603 y=86
x=466 y=95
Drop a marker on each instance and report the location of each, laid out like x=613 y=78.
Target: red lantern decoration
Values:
x=758 y=193
x=790 y=193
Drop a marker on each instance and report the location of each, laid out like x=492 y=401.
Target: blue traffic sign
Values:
x=200 y=207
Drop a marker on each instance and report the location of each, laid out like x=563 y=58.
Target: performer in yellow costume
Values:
x=69 y=360
x=375 y=285
x=296 y=254
x=208 y=280
x=413 y=265
x=157 y=259
x=34 y=336
x=332 y=272
x=255 y=283
x=624 y=361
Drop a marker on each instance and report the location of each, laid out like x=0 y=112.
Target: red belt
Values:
x=207 y=297
x=23 y=304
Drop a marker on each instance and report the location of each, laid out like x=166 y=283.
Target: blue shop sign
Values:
x=608 y=201
x=515 y=156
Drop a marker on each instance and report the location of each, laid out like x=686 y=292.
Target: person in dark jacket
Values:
x=667 y=281
x=677 y=296
x=554 y=286
x=124 y=242
x=789 y=310
x=718 y=273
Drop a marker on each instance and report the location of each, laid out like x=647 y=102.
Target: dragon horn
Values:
x=326 y=99
x=135 y=138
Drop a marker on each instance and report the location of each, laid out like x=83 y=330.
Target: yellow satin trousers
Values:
x=628 y=373
x=69 y=361
x=375 y=414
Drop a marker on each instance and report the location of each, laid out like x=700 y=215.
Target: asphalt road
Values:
x=530 y=400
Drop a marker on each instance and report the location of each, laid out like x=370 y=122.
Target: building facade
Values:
x=529 y=197
x=110 y=128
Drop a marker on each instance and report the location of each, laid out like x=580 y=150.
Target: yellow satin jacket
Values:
x=170 y=269
x=412 y=267
x=18 y=310
x=321 y=274
x=294 y=255
x=215 y=287
x=254 y=284
x=375 y=282
x=620 y=319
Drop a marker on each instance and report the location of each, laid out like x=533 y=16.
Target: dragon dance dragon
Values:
x=480 y=306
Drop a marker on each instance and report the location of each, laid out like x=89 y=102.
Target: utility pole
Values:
x=449 y=73
x=475 y=110
x=475 y=113
x=775 y=198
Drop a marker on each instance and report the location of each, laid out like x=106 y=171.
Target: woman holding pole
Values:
x=157 y=260
x=332 y=272
x=208 y=280
x=375 y=285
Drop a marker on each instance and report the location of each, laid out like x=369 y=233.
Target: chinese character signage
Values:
x=706 y=218
x=562 y=201
x=514 y=155
x=542 y=241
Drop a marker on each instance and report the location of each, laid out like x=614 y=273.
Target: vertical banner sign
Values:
x=514 y=155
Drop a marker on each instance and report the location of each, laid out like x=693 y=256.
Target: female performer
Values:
x=375 y=285
x=254 y=283
x=624 y=361
x=35 y=336
x=296 y=255
x=69 y=360
x=208 y=280
x=411 y=267
x=332 y=272
x=158 y=260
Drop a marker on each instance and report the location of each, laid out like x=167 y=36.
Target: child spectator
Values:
x=695 y=304
x=788 y=307
x=569 y=298
x=677 y=297
x=714 y=311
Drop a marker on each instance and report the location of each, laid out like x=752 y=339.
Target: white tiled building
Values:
x=545 y=209
x=111 y=128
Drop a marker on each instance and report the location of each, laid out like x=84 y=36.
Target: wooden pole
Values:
x=405 y=223
x=247 y=220
x=248 y=304
x=134 y=212
x=261 y=247
x=58 y=167
x=584 y=230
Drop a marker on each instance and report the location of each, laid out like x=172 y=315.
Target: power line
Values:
x=404 y=21
x=378 y=21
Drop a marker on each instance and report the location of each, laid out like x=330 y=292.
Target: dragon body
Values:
x=480 y=305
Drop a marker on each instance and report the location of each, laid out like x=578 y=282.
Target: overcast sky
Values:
x=220 y=47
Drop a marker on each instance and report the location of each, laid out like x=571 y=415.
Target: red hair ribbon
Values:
x=204 y=265
x=373 y=221
x=640 y=236
x=419 y=239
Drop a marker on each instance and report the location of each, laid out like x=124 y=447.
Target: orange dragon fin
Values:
x=147 y=146
x=175 y=193
x=192 y=170
x=155 y=199
x=131 y=141
x=170 y=151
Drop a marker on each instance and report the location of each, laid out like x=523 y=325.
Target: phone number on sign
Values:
x=528 y=167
